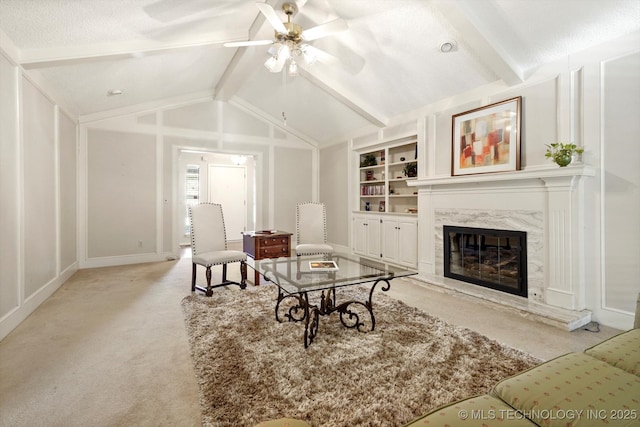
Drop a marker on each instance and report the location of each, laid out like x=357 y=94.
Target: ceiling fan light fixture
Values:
x=271 y=64
x=284 y=52
x=293 y=68
x=309 y=54
x=288 y=42
x=273 y=50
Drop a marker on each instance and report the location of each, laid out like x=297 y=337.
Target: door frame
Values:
x=254 y=171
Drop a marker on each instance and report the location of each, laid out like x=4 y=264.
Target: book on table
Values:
x=323 y=266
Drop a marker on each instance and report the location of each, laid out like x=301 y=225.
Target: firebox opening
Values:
x=495 y=259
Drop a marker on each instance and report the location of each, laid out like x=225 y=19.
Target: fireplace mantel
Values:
x=533 y=173
x=548 y=202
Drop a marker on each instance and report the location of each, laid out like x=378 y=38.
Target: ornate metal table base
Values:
x=302 y=310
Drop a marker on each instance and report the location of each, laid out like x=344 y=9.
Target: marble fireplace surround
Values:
x=546 y=203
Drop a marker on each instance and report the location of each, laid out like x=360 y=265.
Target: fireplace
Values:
x=495 y=259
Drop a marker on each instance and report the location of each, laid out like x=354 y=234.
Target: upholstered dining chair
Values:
x=311 y=229
x=209 y=246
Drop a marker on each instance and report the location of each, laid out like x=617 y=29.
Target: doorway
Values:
x=228 y=187
x=237 y=179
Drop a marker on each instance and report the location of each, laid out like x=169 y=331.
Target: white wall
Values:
x=10 y=293
x=334 y=193
x=87 y=195
x=38 y=188
x=619 y=184
x=131 y=190
x=593 y=99
x=121 y=194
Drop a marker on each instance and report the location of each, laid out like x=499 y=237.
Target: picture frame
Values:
x=487 y=139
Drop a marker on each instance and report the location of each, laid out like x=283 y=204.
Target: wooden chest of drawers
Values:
x=262 y=245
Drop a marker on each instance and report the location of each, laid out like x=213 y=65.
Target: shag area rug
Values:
x=251 y=368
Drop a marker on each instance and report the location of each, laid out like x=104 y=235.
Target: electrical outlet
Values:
x=139 y=243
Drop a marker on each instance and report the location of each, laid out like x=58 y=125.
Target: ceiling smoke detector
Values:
x=448 y=46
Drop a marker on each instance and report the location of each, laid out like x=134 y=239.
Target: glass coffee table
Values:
x=296 y=278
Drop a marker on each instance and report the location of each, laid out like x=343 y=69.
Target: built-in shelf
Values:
x=382 y=175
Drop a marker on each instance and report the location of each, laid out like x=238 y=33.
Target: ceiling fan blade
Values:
x=324 y=30
x=271 y=16
x=249 y=43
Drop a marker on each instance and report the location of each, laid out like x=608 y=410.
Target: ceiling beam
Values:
x=243 y=63
x=38 y=58
x=247 y=59
x=476 y=22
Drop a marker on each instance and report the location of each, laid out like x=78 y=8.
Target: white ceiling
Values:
x=390 y=61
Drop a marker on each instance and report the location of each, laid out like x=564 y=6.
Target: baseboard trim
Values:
x=15 y=317
x=126 y=260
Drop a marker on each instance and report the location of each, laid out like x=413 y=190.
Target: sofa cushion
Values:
x=575 y=389
x=622 y=351
x=474 y=412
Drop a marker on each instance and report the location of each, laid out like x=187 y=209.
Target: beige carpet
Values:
x=251 y=368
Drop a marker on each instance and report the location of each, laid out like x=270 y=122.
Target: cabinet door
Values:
x=408 y=242
x=373 y=237
x=360 y=235
x=390 y=240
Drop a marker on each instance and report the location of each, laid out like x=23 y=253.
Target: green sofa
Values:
x=600 y=386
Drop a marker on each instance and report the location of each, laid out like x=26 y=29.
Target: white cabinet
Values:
x=366 y=235
x=390 y=238
x=399 y=238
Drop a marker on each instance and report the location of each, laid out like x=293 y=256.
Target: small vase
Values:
x=562 y=158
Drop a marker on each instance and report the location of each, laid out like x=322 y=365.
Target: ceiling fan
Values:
x=289 y=40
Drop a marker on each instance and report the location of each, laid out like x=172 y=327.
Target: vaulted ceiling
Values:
x=389 y=60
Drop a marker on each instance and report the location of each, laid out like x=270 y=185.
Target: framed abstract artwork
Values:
x=487 y=139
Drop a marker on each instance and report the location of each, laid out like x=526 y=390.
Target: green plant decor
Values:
x=410 y=169
x=561 y=153
x=368 y=160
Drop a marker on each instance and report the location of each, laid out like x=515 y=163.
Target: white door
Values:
x=228 y=186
